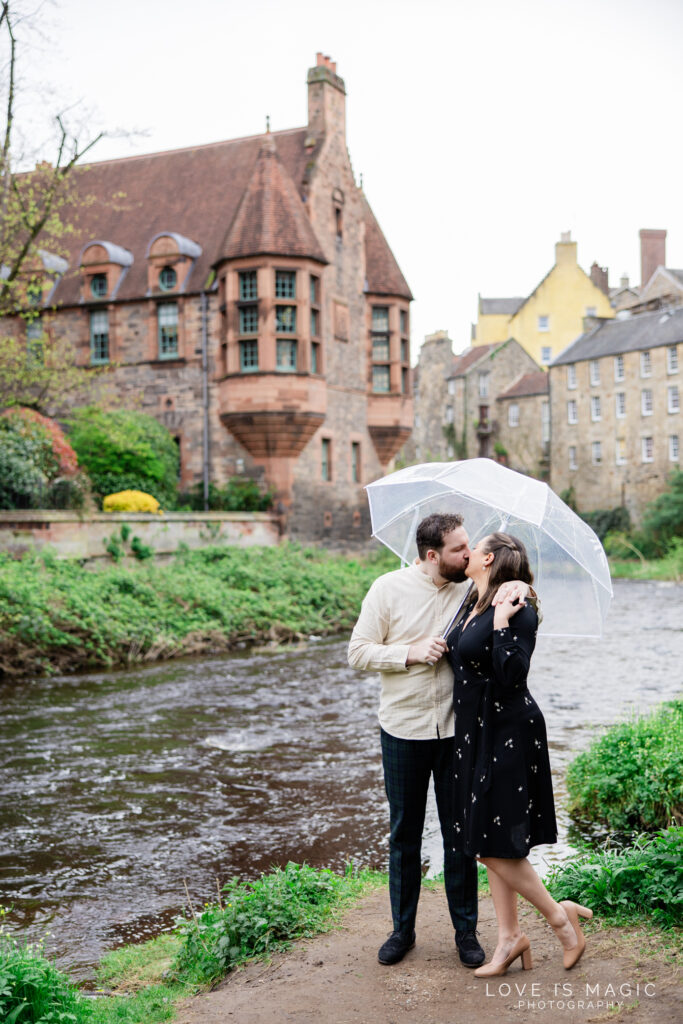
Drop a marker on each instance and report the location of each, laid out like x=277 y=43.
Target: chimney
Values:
x=565 y=249
x=652 y=253
x=624 y=281
x=326 y=99
x=600 y=278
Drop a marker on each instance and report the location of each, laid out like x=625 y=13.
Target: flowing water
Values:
x=118 y=788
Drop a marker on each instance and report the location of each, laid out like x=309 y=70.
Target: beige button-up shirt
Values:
x=400 y=608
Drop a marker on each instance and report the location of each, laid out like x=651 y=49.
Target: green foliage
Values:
x=239 y=494
x=632 y=776
x=55 y=616
x=256 y=918
x=32 y=990
x=670 y=567
x=37 y=466
x=124 y=450
x=645 y=879
x=606 y=520
x=115 y=545
x=663 y=520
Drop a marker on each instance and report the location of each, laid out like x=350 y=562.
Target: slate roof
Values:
x=270 y=219
x=197 y=193
x=535 y=383
x=613 y=337
x=504 y=306
x=470 y=357
x=383 y=273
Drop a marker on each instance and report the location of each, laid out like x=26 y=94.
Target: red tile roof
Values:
x=271 y=218
x=384 y=275
x=535 y=383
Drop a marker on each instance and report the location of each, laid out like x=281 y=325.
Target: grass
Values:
x=632 y=776
x=643 y=881
x=56 y=617
x=670 y=567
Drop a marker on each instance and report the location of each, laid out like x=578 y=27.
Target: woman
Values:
x=503 y=789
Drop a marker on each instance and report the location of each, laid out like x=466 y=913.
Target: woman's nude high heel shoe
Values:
x=521 y=948
x=574 y=911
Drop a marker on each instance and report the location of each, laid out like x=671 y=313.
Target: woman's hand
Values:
x=505 y=609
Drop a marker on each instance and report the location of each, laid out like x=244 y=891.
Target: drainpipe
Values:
x=205 y=396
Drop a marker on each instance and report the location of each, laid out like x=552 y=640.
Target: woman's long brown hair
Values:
x=510 y=562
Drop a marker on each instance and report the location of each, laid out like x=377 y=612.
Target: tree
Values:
x=36 y=369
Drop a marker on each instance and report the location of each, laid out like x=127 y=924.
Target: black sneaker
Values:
x=471 y=953
x=396 y=947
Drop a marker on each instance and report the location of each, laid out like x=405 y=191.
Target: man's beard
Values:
x=453 y=575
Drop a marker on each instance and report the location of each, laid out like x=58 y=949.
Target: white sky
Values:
x=482 y=129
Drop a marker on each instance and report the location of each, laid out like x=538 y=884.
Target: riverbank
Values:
x=55 y=617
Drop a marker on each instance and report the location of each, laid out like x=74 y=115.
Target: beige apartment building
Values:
x=616 y=420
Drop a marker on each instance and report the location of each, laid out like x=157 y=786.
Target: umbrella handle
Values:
x=450 y=625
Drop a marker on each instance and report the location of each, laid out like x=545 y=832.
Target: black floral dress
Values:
x=503 y=789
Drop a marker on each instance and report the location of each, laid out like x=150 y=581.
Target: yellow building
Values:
x=552 y=316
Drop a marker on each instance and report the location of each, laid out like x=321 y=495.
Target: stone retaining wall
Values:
x=86 y=537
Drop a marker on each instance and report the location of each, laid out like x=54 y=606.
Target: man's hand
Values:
x=427 y=651
x=510 y=591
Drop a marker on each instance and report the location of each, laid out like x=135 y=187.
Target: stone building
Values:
x=523 y=415
x=263 y=254
x=551 y=317
x=615 y=411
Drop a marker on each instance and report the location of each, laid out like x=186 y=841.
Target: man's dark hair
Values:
x=433 y=529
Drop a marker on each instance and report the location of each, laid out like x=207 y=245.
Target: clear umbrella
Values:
x=571 y=573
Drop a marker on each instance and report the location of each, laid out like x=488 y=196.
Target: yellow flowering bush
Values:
x=131 y=501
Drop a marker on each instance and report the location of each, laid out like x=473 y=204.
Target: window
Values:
x=545 y=422
x=594 y=372
x=672 y=359
x=338 y=224
x=285 y=319
x=168 y=330
x=572 y=456
x=380 y=379
x=404 y=380
x=596 y=410
x=315 y=323
x=572 y=416
x=591 y=310
x=355 y=462
x=35 y=355
x=645 y=364
x=167 y=279
x=248 y=285
x=98 y=286
x=380 y=319
x=285 y=355
x=544 y=323
x=646 y=406
x=620 y=404
x=450 y=414
x=249 y=355
x=673 y=448
x=99 y=337
x=620 y=455
x=618 y=367
x=451 y=386
x=596 y=452
x=248 y=319
x=513 y=414
x=403 y=320
x=546 y=354
x=404 y=351
x=325 y=459
x=483 y=385
x=315 y=358
x=380 y=350
x=314 y=290
x=571 y=377
x=285 y=284
x=647 y=449
x=673 y=399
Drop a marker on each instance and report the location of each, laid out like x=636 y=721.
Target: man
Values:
x=400 y=634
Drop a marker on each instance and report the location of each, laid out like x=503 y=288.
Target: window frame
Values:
x=571 y=377
x=283 y=345
x=619 y=372
x=161 y=329
x=248 y=345
x=596 y=453
x=594 y=372
x=164 y=286
x=674 y=443
x=96 y=294
x=326 y=460
x=544 y=324
x=672 y=359
x=99 y=360
x=356 y=466
x=573 y=464
x=645 y=443
x=645 y=363
x=620 y=405
x=596 y=409
x=647 y=402
x=513 y=414
x=572 y=407
x=244 y=290
x=375 y=376
x=282 y=278
x=673 y=399
x=620 y=456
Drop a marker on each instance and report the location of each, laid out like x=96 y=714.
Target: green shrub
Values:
x=632 y=776
x=32 y=990
x=645 y=879
x=608 y=520
x=239 y=494
x=663 y=519
x=255 y=918
x=125 y=450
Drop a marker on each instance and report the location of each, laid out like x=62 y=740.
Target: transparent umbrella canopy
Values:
x=571 y=573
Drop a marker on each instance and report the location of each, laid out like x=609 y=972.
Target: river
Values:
x=119 y=787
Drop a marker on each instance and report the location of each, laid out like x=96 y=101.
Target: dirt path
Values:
x=336 y=979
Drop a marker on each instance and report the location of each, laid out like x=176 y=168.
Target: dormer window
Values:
x=98 y=286
x=168 y=279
